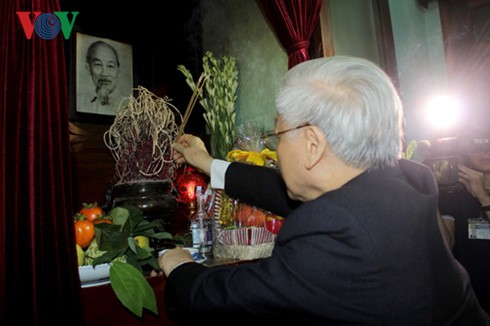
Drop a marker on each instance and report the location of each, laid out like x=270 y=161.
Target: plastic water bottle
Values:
x=196 y=237
x=205 y=225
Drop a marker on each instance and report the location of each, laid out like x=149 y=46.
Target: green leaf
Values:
x=152 y=262
x=119 y=215
x=162 y=235
x=410 y=149
x=112 y=237
x=135 y=214
x=132 y=288
x=108 y=257
x=143 y=253
x=146 y=225
x=132 y=244
x=132 y=259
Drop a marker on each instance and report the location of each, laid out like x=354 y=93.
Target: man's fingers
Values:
x=178 y=147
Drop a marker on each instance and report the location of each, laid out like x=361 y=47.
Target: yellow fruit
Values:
x=80 y=255
x=142 y=241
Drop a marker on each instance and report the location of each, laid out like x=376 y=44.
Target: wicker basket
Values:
x=244 y=243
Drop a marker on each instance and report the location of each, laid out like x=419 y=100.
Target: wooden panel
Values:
x=93 y=164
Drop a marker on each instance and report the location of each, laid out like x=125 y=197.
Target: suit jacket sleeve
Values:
x=259 y=186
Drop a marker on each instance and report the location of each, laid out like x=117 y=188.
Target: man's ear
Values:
x=316 y=144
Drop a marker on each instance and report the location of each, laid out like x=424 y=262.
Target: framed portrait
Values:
x=103 y=76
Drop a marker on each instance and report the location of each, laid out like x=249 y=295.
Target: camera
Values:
x=447 y=153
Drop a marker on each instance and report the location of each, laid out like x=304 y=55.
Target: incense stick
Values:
x=192 y=103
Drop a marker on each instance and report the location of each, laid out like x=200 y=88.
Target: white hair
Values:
x=352 y=101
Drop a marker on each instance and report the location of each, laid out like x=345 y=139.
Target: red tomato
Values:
x=84 y=233
x=91 y=211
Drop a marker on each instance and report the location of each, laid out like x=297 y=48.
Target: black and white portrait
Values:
x=104 y=74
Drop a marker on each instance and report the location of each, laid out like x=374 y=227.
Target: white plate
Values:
x=89 y=274
x=95 y=283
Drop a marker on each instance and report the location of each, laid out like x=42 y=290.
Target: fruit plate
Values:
x=90 y=275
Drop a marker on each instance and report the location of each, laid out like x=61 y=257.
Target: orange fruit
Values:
x=250 y=216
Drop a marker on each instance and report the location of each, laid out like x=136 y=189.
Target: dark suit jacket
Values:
x=369 y=253
x=472 y=253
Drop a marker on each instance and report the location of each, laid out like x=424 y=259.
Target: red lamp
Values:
x=187 y=179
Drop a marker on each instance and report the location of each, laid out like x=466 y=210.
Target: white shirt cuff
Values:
x=218 y=171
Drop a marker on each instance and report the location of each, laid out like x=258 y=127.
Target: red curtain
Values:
x=39 y=282
x=294 y=22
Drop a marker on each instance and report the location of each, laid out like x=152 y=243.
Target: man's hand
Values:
x=173 y=258
x=191 y=149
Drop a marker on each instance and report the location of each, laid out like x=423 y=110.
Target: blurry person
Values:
x=469 y=204
x=422 y=151
x=102 y=63
x=360 y=244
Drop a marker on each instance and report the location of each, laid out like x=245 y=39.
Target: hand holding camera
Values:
x=474 y=183
x=448 y=158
